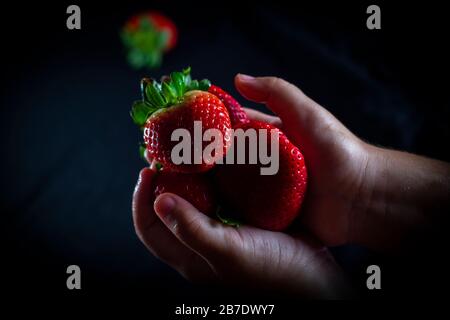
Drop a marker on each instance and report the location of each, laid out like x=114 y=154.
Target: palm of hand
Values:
x=336 y=170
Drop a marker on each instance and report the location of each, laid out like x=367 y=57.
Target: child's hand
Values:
x=356 y=193
x=205 y=250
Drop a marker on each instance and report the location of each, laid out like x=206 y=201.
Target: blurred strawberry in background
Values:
x=146 y=37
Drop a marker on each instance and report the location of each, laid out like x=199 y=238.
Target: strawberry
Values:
x=147 y=36
x=195 y=188
x=270 y=202
x=235 y=110
x=175 y=104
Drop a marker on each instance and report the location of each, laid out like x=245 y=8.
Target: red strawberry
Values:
x=266 y=201
x=195 y=188
x=175 y=104
x=235 y=110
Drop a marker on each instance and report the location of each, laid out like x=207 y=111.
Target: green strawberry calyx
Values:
x=158 y=95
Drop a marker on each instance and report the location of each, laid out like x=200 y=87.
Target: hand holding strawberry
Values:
x=204 y=250
x=198 y=246
x=335 y=158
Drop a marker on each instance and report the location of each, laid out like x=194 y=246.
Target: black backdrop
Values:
x=69 y=149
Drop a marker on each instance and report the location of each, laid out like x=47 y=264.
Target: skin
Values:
x=357 y=193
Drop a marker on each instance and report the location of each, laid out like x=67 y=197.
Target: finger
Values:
x=141 y=205
x=202 y=234
x=158 y=239
x=301 y=116
x=260 y=116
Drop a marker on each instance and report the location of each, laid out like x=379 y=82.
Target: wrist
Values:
x=370 y=199
x=400 y=197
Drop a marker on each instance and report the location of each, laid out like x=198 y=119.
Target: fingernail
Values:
x=164 y=206
x=245 y=77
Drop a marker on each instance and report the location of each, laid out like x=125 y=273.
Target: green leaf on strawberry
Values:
x=140 y=111
x=154 y=94
x=204 y=85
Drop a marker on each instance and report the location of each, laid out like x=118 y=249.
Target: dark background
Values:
x=69 y=149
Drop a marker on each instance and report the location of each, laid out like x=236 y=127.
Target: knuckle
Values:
x=276 y=83
x=278 y=86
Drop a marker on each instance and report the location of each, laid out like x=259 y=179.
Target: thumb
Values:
x=197 y=231
x=302 y=117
